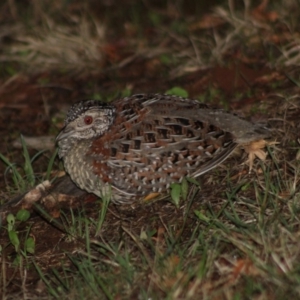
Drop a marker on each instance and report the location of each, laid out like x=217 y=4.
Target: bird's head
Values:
x=85 y=120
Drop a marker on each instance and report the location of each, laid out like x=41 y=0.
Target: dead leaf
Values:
x=207 y=21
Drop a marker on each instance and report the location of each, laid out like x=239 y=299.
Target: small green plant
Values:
x=28 y=246
x=178 y=91
x=178 y=191
x=126 y=92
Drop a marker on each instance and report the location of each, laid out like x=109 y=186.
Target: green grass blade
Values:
x=51 y=163
x=27 y=165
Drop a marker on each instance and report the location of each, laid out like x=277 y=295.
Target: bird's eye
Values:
x=88 y=120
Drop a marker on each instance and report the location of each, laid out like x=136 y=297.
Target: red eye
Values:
x=88 y=120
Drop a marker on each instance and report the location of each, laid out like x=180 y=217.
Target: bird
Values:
x=135 y=147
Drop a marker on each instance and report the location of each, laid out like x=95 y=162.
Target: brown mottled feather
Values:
x=148 y=142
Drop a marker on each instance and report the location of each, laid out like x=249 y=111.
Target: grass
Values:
x=246 y=249
x=238 y=237
x=23 y=177
x=241 y=248
x=77 y=40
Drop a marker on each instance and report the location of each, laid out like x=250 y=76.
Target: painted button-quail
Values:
x=140 y=144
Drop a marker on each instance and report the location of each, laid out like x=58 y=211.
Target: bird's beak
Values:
x=65 y=133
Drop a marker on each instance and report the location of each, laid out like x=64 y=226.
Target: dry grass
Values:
x=43 y=43
x=78 y=40
x=55 y=46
